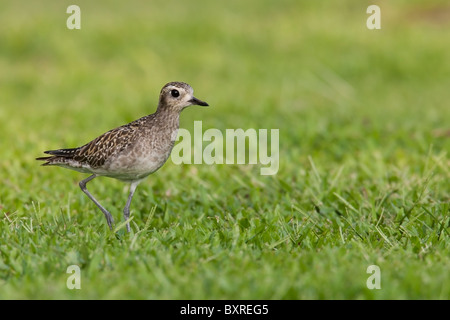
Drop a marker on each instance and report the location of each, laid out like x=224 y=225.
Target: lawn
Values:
x=364 y=170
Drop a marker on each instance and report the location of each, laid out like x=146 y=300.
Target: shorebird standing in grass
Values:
x=133 y=151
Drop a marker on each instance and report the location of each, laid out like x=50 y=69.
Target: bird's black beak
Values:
x=198 y=102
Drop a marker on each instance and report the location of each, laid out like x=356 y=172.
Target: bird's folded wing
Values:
x=99 y=150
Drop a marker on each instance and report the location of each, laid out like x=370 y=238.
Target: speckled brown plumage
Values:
x=151 y=134
x=133 y=151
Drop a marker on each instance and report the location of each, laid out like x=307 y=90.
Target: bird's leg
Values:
x=108 y=215
x=126 y=210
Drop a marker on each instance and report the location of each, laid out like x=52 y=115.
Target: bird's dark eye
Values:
x=175 y=93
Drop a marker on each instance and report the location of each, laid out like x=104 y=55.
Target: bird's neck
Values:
x=168 y=117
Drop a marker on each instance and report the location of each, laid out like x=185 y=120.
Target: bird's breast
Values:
x=141 y=159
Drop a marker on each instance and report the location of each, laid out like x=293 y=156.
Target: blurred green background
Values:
x=364 y=138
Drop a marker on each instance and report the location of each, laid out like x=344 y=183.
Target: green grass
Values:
x=364 y=139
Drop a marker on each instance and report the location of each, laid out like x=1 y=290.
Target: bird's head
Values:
x=175 y=96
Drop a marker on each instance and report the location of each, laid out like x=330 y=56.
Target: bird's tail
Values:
x=57 y=157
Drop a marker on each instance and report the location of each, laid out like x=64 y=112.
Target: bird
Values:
x=131 y=152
